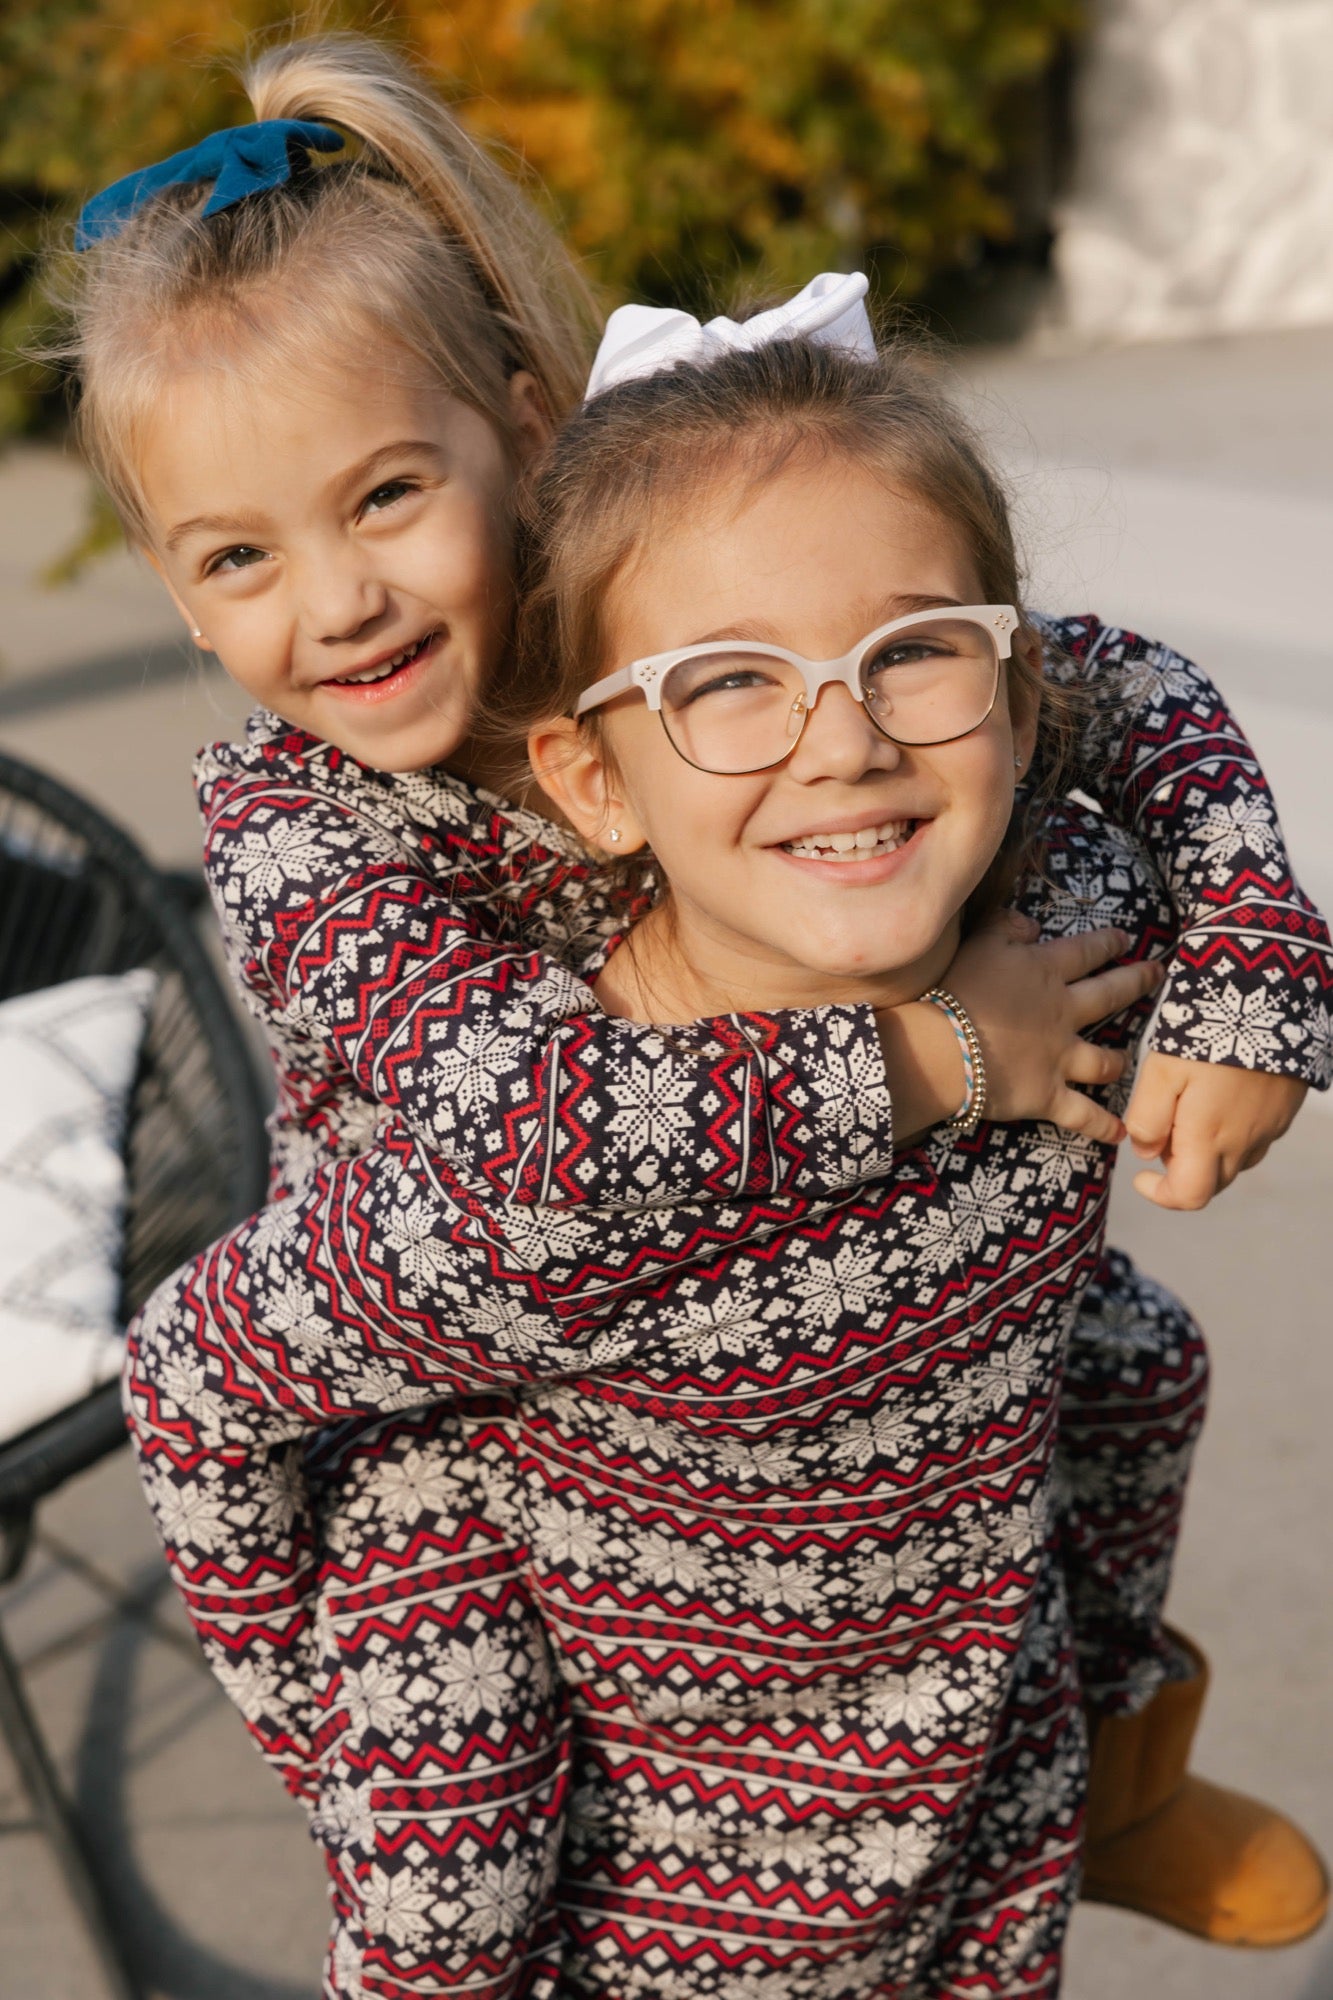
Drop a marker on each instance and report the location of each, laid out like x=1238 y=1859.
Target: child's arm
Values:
x=500 y=1059
x=1243 y=1026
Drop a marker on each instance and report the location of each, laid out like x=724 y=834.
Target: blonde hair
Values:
x=636 y=458
x=418 y=235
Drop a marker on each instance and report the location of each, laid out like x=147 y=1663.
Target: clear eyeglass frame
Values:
x=649 y=675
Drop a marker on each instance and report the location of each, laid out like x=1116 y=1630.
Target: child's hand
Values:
x=1205 y=1123
x=1029 y=1000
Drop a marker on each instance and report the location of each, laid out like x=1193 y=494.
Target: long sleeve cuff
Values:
x=1252 y=987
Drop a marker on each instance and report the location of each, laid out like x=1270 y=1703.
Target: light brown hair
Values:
x=416 y=241
x=629 y=461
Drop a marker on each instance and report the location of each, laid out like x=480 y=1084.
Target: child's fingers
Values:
x=1102 y=993
x=1075 y=957
x=1151 y=1111
x=1073 y=1112
x=1087 y=1062
x=1191 y=1179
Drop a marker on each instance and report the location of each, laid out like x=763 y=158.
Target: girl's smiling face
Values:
x=814 y=559
x=343 y=543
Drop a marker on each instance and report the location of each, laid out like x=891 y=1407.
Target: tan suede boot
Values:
x=1189 y=1853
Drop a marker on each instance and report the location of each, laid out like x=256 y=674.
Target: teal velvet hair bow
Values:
x=240 y=160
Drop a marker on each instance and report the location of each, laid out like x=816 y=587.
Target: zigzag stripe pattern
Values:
x=765 y=1474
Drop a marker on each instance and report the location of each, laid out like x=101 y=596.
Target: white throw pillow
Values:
x=68 y=1058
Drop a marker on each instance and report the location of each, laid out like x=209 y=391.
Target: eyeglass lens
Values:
x=732 y=711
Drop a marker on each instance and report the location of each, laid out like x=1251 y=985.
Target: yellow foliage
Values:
x=682 y=143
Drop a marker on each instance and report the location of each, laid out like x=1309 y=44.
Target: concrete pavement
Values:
x=1188 y=490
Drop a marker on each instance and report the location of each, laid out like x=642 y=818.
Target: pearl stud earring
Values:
x=614 y=836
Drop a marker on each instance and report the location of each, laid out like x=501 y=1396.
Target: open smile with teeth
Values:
x=864 y=845
x=385 y=667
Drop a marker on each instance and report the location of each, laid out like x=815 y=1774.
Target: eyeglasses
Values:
x=734 y=707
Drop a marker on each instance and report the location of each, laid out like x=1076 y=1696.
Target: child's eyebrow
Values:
x=883 y=611
x=385 y=455
x=234 y=525
x=874 y=614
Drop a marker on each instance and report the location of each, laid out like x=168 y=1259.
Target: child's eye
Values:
x=908 y=653
x=233 y=559
x=387 y=495
x=734 y=681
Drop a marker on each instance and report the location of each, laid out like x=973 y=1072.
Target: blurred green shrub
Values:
x=685 y=144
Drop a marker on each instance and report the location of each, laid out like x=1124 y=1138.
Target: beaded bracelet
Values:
x=973 y=1107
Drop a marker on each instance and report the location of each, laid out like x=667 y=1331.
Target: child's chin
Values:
x=843 y=960
x=401 y=751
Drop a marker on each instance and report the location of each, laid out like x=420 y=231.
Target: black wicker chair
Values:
x=78 y=897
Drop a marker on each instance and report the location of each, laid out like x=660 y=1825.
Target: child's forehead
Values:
x=247 y=355
x=819 y=543
x=830 y=509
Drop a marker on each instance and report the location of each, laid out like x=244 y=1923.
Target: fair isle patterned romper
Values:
x=777 y=1466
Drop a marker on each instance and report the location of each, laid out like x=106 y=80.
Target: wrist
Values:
x=973 y=1107
x=924 y=1066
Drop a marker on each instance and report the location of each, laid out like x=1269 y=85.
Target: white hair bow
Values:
x=645 y=340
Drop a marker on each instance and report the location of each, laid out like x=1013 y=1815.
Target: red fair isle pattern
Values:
x=1135 y=1389
x=237 y=1517
x=396 y=1599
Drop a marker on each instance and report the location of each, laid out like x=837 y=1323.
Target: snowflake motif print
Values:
x=292 y=1315
x=897 y=1852
x=469 y=1067
x=414 y=1485
x=499 y=1900
x=652 y=1106
x=374 y=1698
x=397 y=1904
x=473 y=1679
x=848 y=1282
x=272 y=862
x=1242 y=826
x=1244 y=1025
x=986 y=1210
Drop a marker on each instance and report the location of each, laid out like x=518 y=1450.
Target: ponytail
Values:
x=526 y=276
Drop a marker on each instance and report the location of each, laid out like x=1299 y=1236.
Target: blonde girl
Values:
x=308 y=380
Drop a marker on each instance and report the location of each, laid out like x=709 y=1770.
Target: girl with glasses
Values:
x=775 y=1462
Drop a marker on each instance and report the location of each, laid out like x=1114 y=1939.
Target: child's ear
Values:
x=204 y=645
x=572 y=768
x=528 y=414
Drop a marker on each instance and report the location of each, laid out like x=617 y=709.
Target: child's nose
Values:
x=339 y=593
x=839 y=740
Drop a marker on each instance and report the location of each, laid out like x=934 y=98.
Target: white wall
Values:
x=1202 y=198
